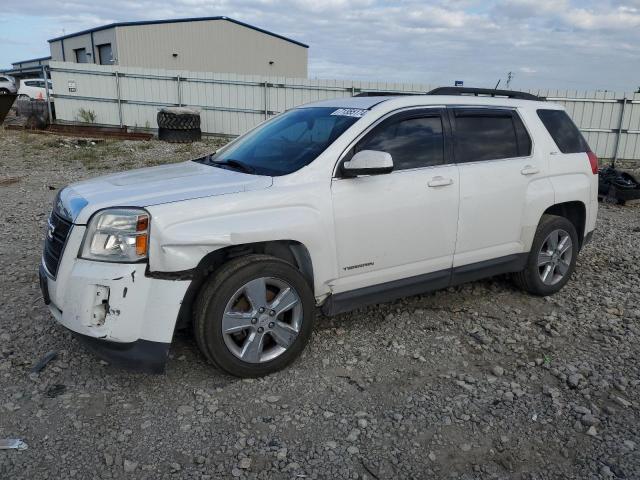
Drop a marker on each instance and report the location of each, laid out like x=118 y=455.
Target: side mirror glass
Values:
x=368 y=162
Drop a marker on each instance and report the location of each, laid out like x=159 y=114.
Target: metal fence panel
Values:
x=231 y=104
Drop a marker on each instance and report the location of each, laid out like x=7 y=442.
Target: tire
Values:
x=530 y=278
x=178 y=121
x=4 y=91
x=278 y=338
x=179 y=136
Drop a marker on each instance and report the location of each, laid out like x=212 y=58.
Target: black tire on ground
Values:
x=4 y=91
x=217 y=292
x=529 y=278
x=178 y=121
x=179 y=136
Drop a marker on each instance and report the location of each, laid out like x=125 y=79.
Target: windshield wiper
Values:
x=235 y=164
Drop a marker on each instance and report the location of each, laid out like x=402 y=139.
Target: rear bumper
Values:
x=141 y=355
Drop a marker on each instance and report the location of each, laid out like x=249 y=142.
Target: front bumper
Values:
x=141 y=355
x=117 y=311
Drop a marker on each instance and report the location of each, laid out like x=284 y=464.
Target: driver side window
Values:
x=412 y=142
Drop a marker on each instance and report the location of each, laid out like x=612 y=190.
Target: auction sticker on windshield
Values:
x=350 y=112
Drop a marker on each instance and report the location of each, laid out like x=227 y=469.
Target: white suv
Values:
x=34 y=89
x=335 y=204
x=7 y=85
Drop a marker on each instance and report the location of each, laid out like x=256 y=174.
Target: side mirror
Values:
x=368 y=162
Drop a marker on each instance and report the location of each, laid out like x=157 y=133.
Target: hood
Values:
x=151 y=186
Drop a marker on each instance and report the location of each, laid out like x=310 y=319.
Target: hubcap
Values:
x=554 y=257
x=262 y=320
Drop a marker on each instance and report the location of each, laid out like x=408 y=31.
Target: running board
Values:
x=428 y=282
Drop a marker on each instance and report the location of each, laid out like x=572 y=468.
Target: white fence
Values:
x=231 y=104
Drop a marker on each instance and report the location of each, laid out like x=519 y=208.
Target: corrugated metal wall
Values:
x=232 y=104
x=213 y=46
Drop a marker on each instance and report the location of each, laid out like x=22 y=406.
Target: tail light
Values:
x=593 y=161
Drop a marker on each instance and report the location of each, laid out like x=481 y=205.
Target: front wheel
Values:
x=552 y=258
x=254 y=316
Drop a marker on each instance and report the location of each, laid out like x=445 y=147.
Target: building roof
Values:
x=39 y=59
x=177 y=20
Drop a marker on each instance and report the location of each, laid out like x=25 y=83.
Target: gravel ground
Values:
x=475 y=382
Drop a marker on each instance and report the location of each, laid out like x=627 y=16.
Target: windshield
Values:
x=288 y=142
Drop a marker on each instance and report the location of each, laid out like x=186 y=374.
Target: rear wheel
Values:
x=552 y=258
x=254 y=316
x=4 y=91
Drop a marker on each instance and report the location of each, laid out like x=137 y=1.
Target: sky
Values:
x=564 y=44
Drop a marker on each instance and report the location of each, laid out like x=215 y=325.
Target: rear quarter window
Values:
x=563 y=131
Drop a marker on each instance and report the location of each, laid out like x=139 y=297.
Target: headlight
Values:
x=117 y=235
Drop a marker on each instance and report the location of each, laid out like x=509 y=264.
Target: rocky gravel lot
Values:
x=475 y=382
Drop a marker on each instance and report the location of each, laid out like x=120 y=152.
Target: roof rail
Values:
x=384 y=94
x=484 y=92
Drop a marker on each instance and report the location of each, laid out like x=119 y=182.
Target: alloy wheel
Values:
x=554 y=258
x=262 y=319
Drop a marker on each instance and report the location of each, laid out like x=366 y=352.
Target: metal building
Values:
x=25 y=69
x=206 y=44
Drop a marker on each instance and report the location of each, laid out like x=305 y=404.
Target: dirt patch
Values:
x=4 y=181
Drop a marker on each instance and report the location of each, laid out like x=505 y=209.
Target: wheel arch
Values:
x=575 y=212
x=290 y=251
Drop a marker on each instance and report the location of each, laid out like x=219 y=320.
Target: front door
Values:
x=401 y=224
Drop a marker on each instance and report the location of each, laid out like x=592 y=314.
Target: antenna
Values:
x=496 y=87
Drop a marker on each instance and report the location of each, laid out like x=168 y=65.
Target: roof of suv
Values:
x=400 y=101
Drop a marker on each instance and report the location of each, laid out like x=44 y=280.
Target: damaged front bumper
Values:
x=122 y=315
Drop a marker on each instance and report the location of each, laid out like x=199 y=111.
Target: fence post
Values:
x=119 y=99
x=46 y=89
x=179 y=93
x=266 y=100
x=619 y=134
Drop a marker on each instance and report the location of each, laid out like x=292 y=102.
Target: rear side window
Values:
x=489 y=135
x=563 y=131
x=412 y=142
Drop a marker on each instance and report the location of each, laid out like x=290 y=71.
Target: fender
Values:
x=183 y=233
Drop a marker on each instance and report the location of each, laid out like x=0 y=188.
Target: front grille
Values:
x=54 y=242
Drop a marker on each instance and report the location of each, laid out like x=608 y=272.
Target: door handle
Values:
x=440 y=182
x=529 y=170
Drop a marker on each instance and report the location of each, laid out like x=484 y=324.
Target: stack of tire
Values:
x=179 y=125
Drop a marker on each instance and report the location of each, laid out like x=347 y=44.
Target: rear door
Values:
x=498 y=167
x=401 y=224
